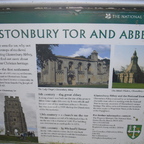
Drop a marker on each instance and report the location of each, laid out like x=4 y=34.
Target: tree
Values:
x=80 y=56
x=44 y=54
x=89 y=57
x=123 y=68
x=114 y=76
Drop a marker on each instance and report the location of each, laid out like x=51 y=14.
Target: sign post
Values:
x=72 y=72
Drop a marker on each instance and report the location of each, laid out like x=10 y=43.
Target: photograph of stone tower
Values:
x=73 y=65
x=14 y=116
x=131 y=73
x=18 y=114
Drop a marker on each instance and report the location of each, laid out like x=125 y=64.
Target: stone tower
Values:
x=134 y=67
x=94 y=56
x=14 y=117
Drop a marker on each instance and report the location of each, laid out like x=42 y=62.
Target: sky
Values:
x=123 y=53
x=73 y=50
x=29 y=110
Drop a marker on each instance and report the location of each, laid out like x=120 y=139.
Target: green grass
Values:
x=28 y=140
x=17 y=139
x=128 y=85
x=77 y=86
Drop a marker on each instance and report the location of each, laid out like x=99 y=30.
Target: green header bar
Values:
x=70 y=3
x=72 y=16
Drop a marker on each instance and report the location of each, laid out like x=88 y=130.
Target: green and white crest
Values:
x=133 y=131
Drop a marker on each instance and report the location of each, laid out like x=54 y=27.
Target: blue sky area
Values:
x=123 y=53
x=73 y=50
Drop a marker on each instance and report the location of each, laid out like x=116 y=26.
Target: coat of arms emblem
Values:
x=133 y=131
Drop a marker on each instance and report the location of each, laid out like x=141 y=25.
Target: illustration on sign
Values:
x=133 y=131
x=85 y=66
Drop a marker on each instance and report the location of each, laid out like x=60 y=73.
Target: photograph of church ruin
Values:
x=73 y=65
x=130 y=71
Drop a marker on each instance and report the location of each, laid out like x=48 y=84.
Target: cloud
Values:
x=82 y=52
x=102 y=57
x=29 y=108
x=98 y=47
x=86 y=50
x=103 y=47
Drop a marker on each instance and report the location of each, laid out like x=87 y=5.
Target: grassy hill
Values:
x=18 y=139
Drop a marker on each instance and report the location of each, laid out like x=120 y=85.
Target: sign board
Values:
x=72 y=75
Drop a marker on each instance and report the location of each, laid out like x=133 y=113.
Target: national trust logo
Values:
x=108 y=16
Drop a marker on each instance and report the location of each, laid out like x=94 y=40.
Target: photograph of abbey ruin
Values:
x=18 y=118
x=128 y=70
x=73 y=65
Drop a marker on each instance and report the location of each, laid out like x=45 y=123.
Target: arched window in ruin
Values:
x=88 y=67
x=16 y=132
x=70 y=65
x=80 y=66
x=99 y=67
x=59 y=65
